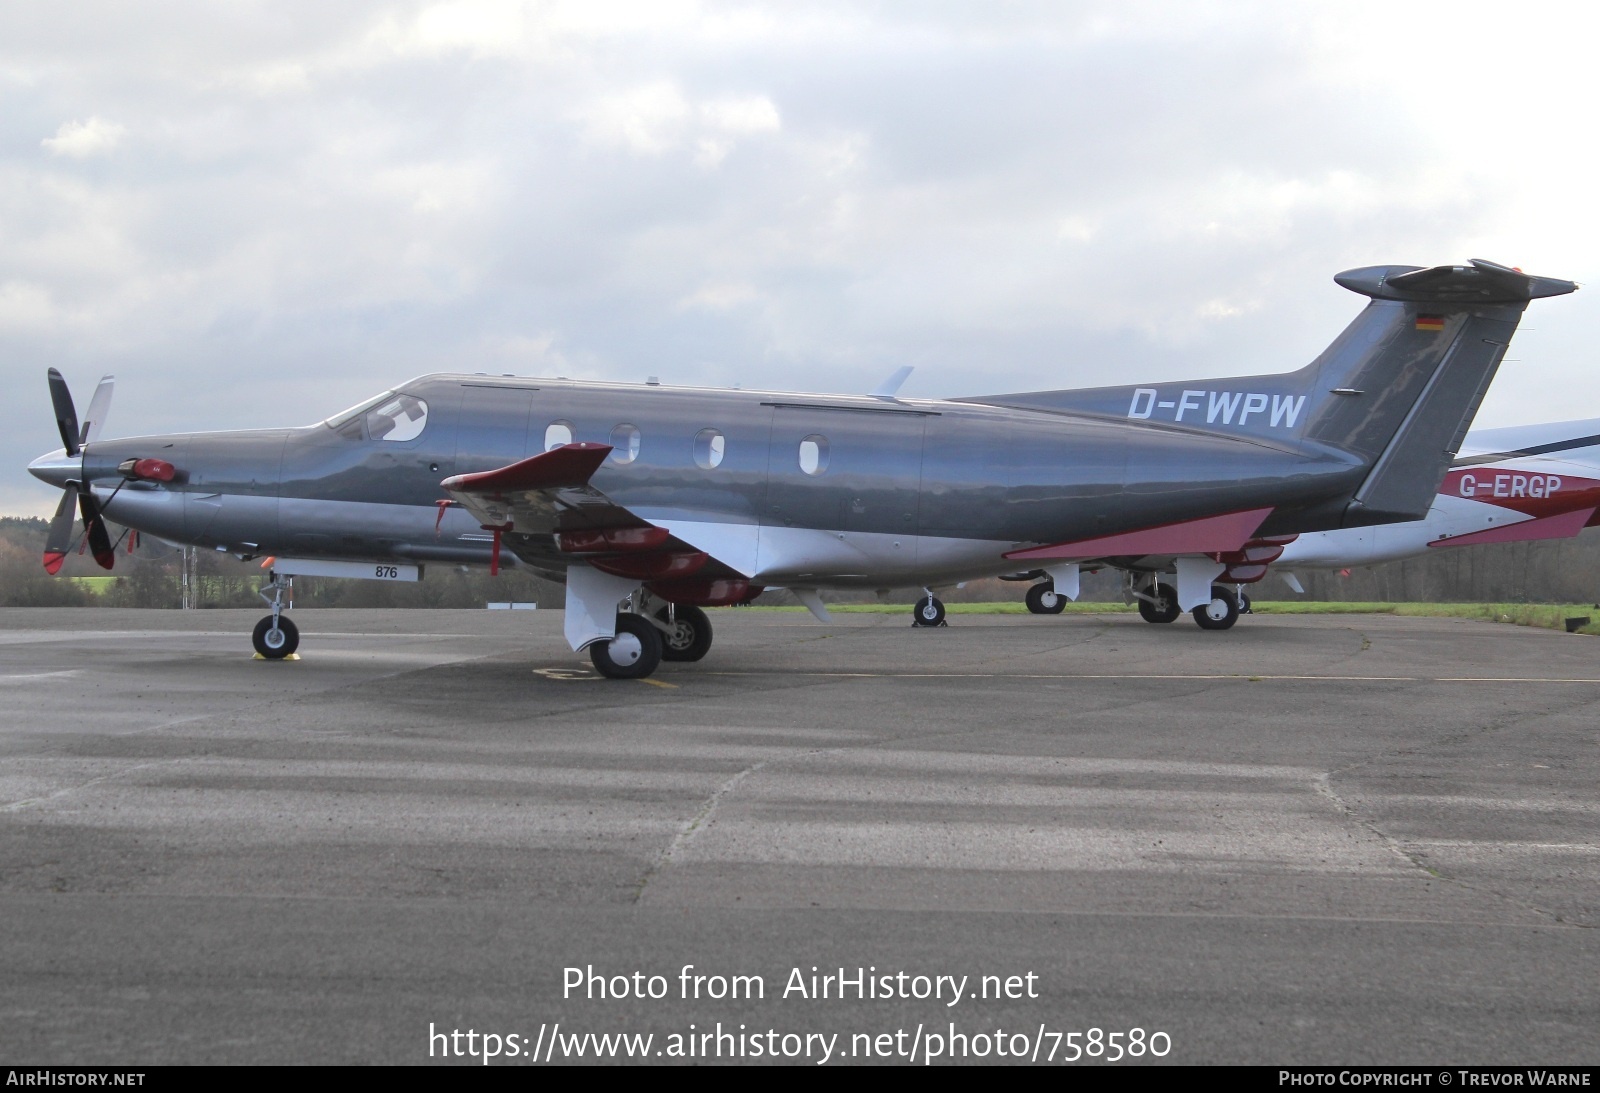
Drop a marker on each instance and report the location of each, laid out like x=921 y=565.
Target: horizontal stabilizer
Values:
x=1479 y=282
x=1211 y=535
x=1564 y=526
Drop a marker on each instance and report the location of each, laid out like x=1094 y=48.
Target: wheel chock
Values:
x=291 y=656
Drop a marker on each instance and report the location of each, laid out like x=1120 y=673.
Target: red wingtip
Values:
x=52 y=561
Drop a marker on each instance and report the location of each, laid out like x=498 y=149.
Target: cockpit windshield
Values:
x=344 y=417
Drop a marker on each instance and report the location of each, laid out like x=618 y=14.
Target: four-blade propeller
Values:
x=76 y=494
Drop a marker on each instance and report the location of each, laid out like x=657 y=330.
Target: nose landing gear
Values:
x=929 y=611
x=275 y=637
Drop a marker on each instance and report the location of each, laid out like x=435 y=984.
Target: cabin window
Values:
x=625 y=443
x=557 y=434
x=399 y=419
x=708 y=448
x=814 y=454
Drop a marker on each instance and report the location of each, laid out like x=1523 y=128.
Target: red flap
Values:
x=1210 y=535
x=559 y=468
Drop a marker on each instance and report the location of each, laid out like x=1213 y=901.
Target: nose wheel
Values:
x=928 y=611
x=275 y=638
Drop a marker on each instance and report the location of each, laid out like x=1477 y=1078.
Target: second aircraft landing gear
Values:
x=275 y=637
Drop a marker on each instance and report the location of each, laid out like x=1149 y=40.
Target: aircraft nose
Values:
x=58 y=468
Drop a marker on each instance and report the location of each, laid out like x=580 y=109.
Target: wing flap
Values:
x=1223 y=534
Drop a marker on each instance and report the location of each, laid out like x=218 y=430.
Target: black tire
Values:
x=1043 y=599
x=634 y=653
x=1244 y=604
x=1221 y=613
x=1165 y=609
x=688 y=637
x=928 y=612
x=275 y=643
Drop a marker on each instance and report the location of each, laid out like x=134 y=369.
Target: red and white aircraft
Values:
x=1510 y=485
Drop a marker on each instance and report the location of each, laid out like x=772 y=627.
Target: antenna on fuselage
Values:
x=887 y=389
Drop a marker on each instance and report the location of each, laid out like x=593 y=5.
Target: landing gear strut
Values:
x=275 y=637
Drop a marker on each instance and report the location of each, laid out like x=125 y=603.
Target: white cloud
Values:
x=83 y=139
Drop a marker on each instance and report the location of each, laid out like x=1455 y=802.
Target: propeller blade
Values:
x=98 y=406
x=59 y=542
x=66 y=413
x=99 y=538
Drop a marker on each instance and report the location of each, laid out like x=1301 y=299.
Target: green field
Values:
x=97 y=585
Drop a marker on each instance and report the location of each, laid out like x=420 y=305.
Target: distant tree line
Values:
x=1557 y=571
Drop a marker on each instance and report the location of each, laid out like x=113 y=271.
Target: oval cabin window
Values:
x=708 y=448
x=557 y=434
x=814 y=454
x=625 y=443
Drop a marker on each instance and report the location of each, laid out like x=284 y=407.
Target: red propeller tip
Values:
x=52 y=562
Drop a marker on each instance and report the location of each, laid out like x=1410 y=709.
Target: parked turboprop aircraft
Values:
x=1509 y=485
x=652 y=502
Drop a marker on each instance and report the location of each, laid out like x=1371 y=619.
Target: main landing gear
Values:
x=275 y=637
x=1221 y=613
x=649 y=632
x=685 y=634
x=1160 y=604
x=633 y=653
x=1043 y=599
x=929 y=611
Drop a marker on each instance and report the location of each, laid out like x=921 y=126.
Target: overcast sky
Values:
x=256 y=214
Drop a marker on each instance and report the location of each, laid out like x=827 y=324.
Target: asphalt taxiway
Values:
x=1336 y=839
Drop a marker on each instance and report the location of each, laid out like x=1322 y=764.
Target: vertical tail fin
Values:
x=1446 y=331
x=1395 y=391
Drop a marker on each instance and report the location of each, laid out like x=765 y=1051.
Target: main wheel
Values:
x=275 y=642
x=1164 y=609
x=1221 y=613
x=1043 y=599
x=688 y=635
x=928 y=612
x=633 y=654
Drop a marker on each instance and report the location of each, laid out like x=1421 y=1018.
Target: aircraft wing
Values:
x=556 y=517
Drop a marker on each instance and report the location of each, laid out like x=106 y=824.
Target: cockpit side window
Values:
x=400 y=418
